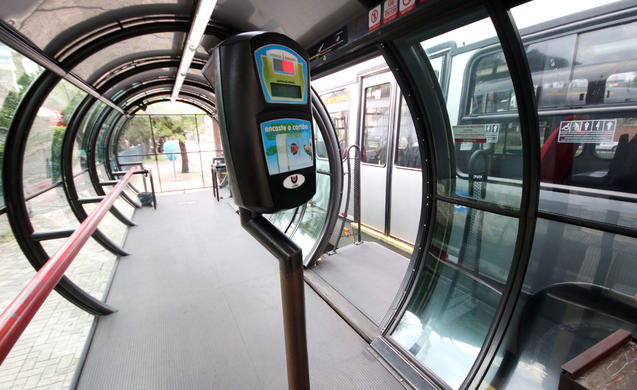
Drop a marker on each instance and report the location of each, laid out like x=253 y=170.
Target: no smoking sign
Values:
x=374 y=18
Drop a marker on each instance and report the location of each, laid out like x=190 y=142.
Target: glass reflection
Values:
x=487 y=141
x=458 y=290
x=444 y=327
x=580 y=287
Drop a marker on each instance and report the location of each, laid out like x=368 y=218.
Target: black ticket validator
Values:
x=262 y=87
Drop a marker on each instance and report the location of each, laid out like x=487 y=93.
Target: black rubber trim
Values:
x=590 y=224
x=336 y=178
x=515 y=55
x=403 y=367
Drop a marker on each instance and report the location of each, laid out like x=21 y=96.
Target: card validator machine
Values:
x=262 y=87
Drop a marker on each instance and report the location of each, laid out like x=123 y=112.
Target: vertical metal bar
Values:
x=152 y=134
x=152 y=188
x=292 y=294
x=203 y=182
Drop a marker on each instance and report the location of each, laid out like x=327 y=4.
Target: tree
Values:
x=175 y=126
x=10 y=104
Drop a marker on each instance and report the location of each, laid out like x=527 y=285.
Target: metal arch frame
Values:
x=118 y=134
x=111 y=28
x=520 y=72
x=429 y=112
x=17 y=213
x=336 y=179
x=77 y=53
x=131 y=68
x=153 y=94
x=91 y=157
x=68 y=177
x=156 y=84
x=184 y=98
x=158 y=80
x=424 y=121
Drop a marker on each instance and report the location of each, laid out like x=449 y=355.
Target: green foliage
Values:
x=56 y=153
x=174 y=126
x=12 y=100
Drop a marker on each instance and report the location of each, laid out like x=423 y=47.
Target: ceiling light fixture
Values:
x=198 y=28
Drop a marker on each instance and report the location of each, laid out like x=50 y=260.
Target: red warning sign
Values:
x=390 y=10
x=374 y=18
x=406 y=6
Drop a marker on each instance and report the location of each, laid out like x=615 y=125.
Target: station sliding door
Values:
x=378 y=101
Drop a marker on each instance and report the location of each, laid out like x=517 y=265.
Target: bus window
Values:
x=337 y=104
x=492 y=89
x=376 y=124
x=407 y=151
x=550 y=62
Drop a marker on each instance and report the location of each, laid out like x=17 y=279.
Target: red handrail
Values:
x=15 y=318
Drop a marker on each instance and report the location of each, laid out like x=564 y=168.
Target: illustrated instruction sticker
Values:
x=469 y=133
x=390 y=10
x=406 y=6
x=587 y=132
x=374 y=18
x=492 y=132
x=287 y=144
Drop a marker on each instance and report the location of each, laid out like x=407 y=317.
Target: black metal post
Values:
x=292 y=294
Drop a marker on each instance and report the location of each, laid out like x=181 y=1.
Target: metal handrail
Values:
x=15 y=318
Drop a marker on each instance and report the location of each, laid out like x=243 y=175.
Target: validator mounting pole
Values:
x=292 y=294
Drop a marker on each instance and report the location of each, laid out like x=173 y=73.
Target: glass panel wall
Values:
x=458 y=290
x=580 y=285
x=16 y=74
x=44 y=144
x=464 y=271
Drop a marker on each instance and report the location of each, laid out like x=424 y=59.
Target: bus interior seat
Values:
x=600 y=177
x=625 y=177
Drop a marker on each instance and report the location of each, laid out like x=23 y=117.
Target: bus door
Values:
x=378 y=102
x=406 y=178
